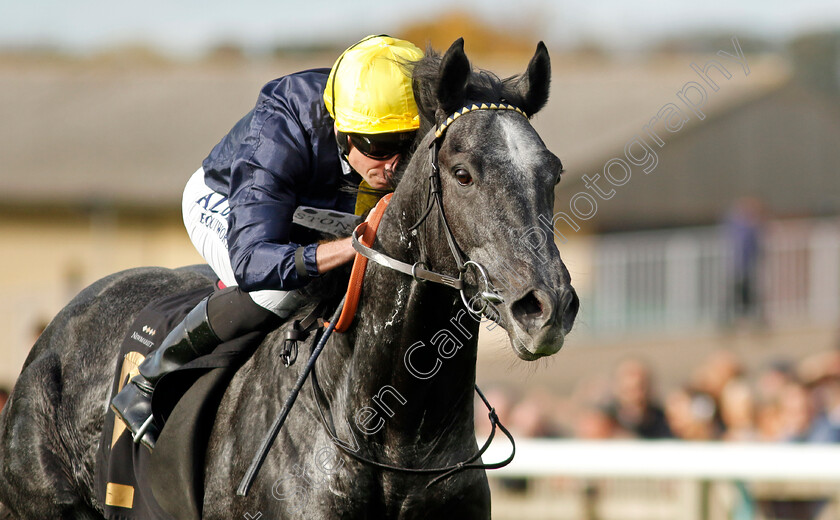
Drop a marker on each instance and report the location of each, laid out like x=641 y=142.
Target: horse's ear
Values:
x=453 y=79
x=533 y=86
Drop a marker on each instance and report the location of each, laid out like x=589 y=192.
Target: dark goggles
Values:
x=382 y=146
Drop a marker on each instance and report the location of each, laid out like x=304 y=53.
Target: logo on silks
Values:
x=148 y=330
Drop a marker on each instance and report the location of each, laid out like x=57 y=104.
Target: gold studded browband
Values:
x=484 y=106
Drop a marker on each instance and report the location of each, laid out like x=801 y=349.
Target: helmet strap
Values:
x=343 y=141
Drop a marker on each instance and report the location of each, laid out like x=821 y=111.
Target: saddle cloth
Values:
x=132 y=482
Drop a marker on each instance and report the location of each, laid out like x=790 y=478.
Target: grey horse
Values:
x=396 y=388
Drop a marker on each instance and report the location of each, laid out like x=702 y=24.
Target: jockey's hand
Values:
x=330 y=255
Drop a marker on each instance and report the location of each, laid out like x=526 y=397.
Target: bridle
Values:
x=420 y=272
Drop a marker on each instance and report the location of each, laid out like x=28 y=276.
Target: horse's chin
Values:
x=546 y=343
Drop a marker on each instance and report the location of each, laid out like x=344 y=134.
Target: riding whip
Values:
x=261 y=455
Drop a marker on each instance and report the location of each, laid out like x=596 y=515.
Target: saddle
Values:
x=124 y=470
x=133 y=483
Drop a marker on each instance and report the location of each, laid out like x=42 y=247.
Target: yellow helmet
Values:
x=369 y=89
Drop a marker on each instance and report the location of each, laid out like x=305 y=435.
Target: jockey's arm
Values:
x=330 y=255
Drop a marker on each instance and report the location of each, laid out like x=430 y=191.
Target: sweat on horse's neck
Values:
x=395 y=313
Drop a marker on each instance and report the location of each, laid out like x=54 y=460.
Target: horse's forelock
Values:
x=424 y=78
x=484 y=87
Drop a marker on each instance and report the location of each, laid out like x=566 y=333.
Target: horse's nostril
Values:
x=527 y=309
x=571 y=303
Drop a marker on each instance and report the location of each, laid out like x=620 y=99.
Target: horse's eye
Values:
x=463 y=176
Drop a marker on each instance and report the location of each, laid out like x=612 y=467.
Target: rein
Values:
x=363 y=237
x=354 y=287
x=346 y=310
x=446 y=471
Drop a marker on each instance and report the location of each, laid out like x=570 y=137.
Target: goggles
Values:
x=382 y=146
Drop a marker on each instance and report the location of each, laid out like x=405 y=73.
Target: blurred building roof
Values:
x=779 y=149
x=595 y=109
x=120 y=135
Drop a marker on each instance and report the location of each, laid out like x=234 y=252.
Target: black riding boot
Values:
x=190 y=339
x=225 y=315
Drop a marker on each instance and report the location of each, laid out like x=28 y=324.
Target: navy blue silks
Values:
x=281 y=155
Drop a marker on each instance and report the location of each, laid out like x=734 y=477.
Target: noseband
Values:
x=419 y=270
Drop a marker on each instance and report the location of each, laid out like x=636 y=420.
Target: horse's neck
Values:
x=399 y=335
x=428 y=394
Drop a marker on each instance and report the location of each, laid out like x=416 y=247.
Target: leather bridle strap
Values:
x=414 y=270
x=363 y=237
x=365 y=233
x=436 y=199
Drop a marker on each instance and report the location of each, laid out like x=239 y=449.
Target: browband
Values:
x=484 y=106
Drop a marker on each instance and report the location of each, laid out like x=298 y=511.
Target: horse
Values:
x=395 y=388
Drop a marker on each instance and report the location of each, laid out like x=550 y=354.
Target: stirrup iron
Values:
x=138 y=437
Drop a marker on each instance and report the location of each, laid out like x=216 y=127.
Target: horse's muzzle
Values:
x=545 y=316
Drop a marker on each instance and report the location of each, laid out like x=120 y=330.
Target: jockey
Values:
x=327 y=138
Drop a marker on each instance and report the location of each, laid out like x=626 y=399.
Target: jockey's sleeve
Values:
x=270 y=165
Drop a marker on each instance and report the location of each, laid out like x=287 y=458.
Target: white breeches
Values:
x=205 y=217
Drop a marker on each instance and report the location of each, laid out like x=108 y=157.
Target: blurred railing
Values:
x=681 y=279
x=668 y=480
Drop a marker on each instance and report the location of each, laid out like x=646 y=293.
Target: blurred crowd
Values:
x=782 y=402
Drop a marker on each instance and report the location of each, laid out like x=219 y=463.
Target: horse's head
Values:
x=497 y=178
